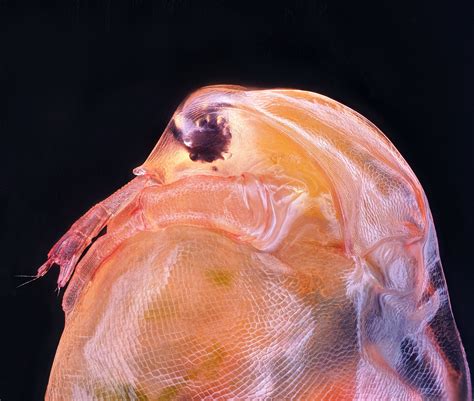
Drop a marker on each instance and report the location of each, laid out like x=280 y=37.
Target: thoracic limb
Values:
x=67 y=251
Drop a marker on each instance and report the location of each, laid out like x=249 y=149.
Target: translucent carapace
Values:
x=274 y=245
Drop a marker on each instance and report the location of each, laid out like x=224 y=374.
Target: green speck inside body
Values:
x=218 y=277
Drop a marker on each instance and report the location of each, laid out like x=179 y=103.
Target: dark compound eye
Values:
x=206 y=139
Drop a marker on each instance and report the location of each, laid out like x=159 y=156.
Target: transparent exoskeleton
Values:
x=274 y=245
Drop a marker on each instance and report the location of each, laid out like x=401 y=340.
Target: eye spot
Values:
x=207 y=138
x=201 y=122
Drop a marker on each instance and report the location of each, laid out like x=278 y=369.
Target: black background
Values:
x=87 y=87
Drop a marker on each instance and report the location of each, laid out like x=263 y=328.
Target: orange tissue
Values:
x=274 y=246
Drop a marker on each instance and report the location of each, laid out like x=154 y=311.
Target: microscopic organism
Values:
x=274 y=245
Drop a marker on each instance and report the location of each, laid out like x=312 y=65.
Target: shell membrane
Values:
x=305 y=266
